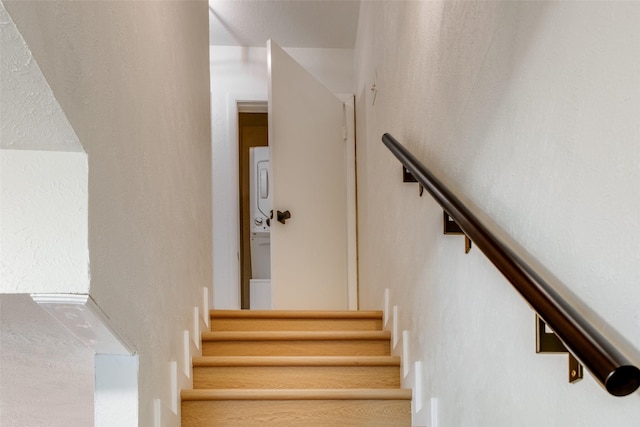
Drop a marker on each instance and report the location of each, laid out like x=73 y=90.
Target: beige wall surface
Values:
x=530 y=111
x=133 y=80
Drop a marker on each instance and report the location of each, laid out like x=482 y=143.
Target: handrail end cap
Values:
x=623 y=381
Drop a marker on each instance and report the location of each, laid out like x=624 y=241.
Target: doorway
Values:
x=253 y=131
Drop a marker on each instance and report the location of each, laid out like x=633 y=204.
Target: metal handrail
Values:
x=607 y=364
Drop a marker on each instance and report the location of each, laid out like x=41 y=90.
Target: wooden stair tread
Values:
x=295 y=335
x=296 y=394
x=292 y=367
x=294 y=314
x=296 y=361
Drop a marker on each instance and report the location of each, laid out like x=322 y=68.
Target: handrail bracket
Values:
x=451 y=227
x=613 y=370
x=548 y=342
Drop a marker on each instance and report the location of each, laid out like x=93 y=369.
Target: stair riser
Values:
x=296 y=348
x=233 y=324
x=268 y=377
x=308 y=413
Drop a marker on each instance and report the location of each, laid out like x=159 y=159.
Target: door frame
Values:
x=348 y=100
x=250 y=104
x=246 y=113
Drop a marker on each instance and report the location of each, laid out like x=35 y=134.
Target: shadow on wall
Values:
x=459 y=74
x=428 y=71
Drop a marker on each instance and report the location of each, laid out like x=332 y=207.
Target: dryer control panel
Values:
x=259 y=191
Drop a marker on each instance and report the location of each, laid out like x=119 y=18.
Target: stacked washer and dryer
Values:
x=260 y=206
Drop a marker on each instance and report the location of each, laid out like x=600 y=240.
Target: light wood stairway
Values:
x=296 y=368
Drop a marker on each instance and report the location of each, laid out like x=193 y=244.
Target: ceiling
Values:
x=290 y=23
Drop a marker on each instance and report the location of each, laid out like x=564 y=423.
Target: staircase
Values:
x=296 y=368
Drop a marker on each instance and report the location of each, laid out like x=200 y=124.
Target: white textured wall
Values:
x=31 y=116
x=43 y=223
x=43 y=180
x=133 y=80
x=46 y=374
x=240 y=74
x=530 y=110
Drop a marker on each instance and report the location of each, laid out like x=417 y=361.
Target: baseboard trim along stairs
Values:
x=296 y=368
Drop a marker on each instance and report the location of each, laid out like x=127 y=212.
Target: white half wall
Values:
x=240 y=74
x=529 y=110
x=133 y=80
x=46 y=373
x=43 y=180
x=43 y=222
